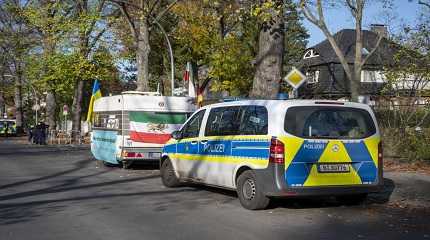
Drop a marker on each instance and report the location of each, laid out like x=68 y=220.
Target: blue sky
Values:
x=402 y=12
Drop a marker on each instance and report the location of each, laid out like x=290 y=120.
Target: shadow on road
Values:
x=11 y=213
x=309 y=202
x=328 y=202
x=78 y=166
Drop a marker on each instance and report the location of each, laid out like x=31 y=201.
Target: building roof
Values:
x=346 y=41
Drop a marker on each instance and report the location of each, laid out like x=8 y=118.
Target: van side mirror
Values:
x=177 y=135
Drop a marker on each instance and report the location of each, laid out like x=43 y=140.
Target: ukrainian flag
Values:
x=96 y=95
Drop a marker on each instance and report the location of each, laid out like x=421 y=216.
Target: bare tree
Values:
x=141 y=15
x=314 y=12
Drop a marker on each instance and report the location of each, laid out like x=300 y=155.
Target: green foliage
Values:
x=412 y=147
x=412 y=57
x=230 y=65
x=223 y=36
x=59 y=71
x=212 y=35
x=266 y=10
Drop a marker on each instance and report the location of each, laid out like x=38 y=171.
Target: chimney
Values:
x=379 y=29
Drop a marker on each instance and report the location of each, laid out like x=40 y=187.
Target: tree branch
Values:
x=308 y=14
x=372 y=51
x=153 y=7
x=320 y=23
x=161 y=14
x=352 y=7
x=129 y=21
x=93 y=23
x=128 y=3
x=424 y=3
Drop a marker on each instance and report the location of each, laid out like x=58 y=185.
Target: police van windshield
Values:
x=329 y=122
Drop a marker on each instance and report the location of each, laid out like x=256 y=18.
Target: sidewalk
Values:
x=27 y=147
x=411 y=190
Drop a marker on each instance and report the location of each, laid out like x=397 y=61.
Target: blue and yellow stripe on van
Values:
x=302 y=157
x=251 y=150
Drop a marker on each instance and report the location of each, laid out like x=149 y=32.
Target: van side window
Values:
x=223 y=121
x=192 y=128
x=237 y=120
x=253 y=121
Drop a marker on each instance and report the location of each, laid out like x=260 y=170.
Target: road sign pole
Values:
x=295 y=93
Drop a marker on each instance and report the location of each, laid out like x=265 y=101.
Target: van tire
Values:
x=168 y=176
x=352 y=199
x=111 y=165
x=249 y=192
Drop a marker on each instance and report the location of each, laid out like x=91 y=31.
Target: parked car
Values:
x=274 y=148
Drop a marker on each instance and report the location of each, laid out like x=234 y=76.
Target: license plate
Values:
x=333 y=168
x=154 y=155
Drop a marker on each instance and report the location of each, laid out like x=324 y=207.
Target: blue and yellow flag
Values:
x=95 y=95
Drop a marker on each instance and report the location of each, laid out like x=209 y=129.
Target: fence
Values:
x=66 y=137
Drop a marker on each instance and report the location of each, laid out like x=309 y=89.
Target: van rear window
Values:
x=329 y=122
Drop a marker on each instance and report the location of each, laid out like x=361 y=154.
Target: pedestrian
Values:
x=42 y=133
x=37 y=134
x=30 y=134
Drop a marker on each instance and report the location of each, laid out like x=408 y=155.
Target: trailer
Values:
x=134 y=126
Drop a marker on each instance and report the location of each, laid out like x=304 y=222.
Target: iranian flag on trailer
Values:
x=151 y=127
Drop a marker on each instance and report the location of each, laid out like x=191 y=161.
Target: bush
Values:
x=407 y=143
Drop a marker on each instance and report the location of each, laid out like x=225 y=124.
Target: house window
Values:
x=310 y=54
x=313 y=76
x=372 y=76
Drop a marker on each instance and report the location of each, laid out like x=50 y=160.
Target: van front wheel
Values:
x=249 y=192
x=168 y=176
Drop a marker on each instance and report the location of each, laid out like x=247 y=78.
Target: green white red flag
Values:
x=152 y=127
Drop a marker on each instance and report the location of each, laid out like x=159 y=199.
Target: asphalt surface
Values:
x=63 y=193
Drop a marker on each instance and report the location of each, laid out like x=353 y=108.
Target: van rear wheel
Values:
x=168 y=176
x=250 y=192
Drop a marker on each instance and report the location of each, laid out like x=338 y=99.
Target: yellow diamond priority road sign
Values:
x=295 y=78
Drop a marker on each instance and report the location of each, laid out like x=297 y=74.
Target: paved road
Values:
x=62 y=193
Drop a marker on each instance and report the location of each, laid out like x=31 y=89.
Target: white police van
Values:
x=277 y=148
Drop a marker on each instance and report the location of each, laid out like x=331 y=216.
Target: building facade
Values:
x=326 y=77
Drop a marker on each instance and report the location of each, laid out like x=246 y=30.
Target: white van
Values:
x=134 y=125
x=278 y=148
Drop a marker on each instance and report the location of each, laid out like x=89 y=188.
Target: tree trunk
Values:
x=355 y=86
x=77 y=110
x=143 y=50
x=356 y=76
x=51 y=106
x=82 y=8
x=269 y=59
x=2 y=105
x=18 y=105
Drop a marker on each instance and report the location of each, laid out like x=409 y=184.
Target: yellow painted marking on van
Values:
x=239 y=138
x=372 y=146
x=334 y=152
x=254 y=162
x=292 y=146
x=226 y=138
x=326 y=179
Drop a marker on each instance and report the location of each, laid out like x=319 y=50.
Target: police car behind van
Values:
x=274 y=148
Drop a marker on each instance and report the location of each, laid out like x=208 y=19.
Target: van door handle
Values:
x=204 y=141
x=193 y=142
